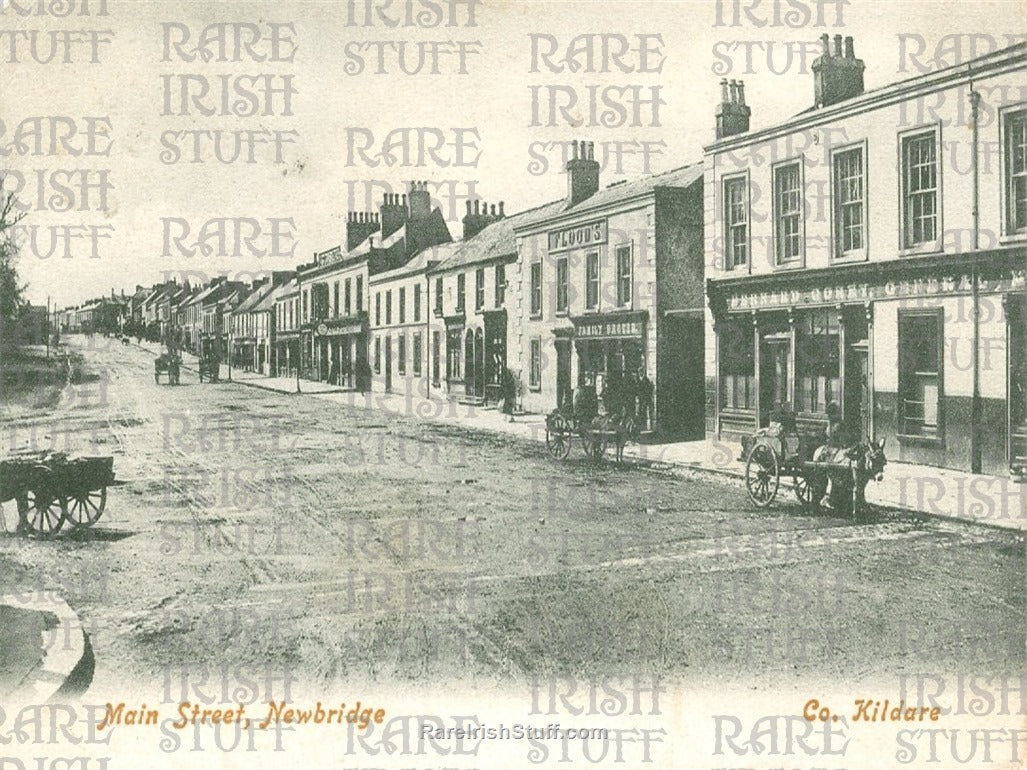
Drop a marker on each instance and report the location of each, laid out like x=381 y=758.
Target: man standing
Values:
x=644 y=389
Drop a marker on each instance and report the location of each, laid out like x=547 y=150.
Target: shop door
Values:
x=857 y=391
x=563 y=373
x=469 y=363
x=479 y=363
x=1016 y=311
x=388 y=364
x=774 y=375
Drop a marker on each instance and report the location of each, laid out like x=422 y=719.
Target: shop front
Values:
x=341 y=344
x=927 y=354
x=608 y=353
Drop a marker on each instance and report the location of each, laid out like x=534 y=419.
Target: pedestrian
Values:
x=644 y=393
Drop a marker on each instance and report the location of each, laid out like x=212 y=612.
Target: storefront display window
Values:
x=737 y=365
x=920 y=376
x=817 y=380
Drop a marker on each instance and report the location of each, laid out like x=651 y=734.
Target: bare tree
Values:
x=11 y=290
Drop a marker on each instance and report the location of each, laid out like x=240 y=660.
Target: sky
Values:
x=483 y=107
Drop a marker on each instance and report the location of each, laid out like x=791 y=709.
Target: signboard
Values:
x=865 y=292
x=610 y=328
x=322 y=329
x=579 y=236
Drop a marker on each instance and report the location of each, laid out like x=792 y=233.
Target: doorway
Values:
x=1016 y=315
x=564 y=395
x=774 y=365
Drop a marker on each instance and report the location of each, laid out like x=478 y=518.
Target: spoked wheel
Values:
x=761 y=475
x=803 y=489
x=43 y=511
x=85 y=507
x=558 y=443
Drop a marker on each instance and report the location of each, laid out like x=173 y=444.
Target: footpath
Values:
x=997 y=501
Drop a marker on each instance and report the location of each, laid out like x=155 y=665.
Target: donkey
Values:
x=853 y=468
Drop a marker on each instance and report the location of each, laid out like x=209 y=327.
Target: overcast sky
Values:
x=493 y=105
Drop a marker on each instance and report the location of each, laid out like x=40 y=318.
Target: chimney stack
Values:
x=838 y=77
x=358 y=227
x=582 y=173
x=732 y=115
x=482 y=216
x=420 y=201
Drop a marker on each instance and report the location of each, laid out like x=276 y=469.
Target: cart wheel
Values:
x=597 y=448
x=803 y=489
x=761 y=475
x=44 y=512
x=558 y=443
x=85 y=507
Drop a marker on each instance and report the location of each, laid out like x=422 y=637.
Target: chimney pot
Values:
x=741 y=92
x=838 y=46
x=468 y=207
x=501 y=215
x=477 y=205
x=723 y=90
x=403 y=202
x=492 y=210
x=850 y=52
x=825 y=41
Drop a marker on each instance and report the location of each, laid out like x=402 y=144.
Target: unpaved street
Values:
x=349 y=544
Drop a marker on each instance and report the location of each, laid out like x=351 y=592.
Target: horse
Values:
x=850 y=470
x=622 y=425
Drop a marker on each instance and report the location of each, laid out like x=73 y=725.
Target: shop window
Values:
x=562 y=279
x=624 y=276
x=347 y=297
x=817 y=340
x=438 y=296
x=1016 y=171
x=920 y=188
x=788 y=201
x=535 y=370
x=920 y=375
x=377 y=356
x=335 y=304
x=417 y=302
x=453 y=343
x=849 y=203
x=360 y=293
x=592 y=280
x=737 y=366
x=736 y=223
x=402 y=305
x=500 y=285
x=401 y=354
x=536 y=289
x=479 y=288
x=461 y=292
x=416 y=353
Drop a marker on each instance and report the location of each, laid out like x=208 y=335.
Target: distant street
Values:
x=257 y=528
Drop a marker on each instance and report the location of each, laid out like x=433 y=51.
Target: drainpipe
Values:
x=975 y=410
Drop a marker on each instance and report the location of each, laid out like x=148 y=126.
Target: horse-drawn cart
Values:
x=595 y=434
x=50 y=489
x=812 y=465
x=169 y=364
x=209 y=368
